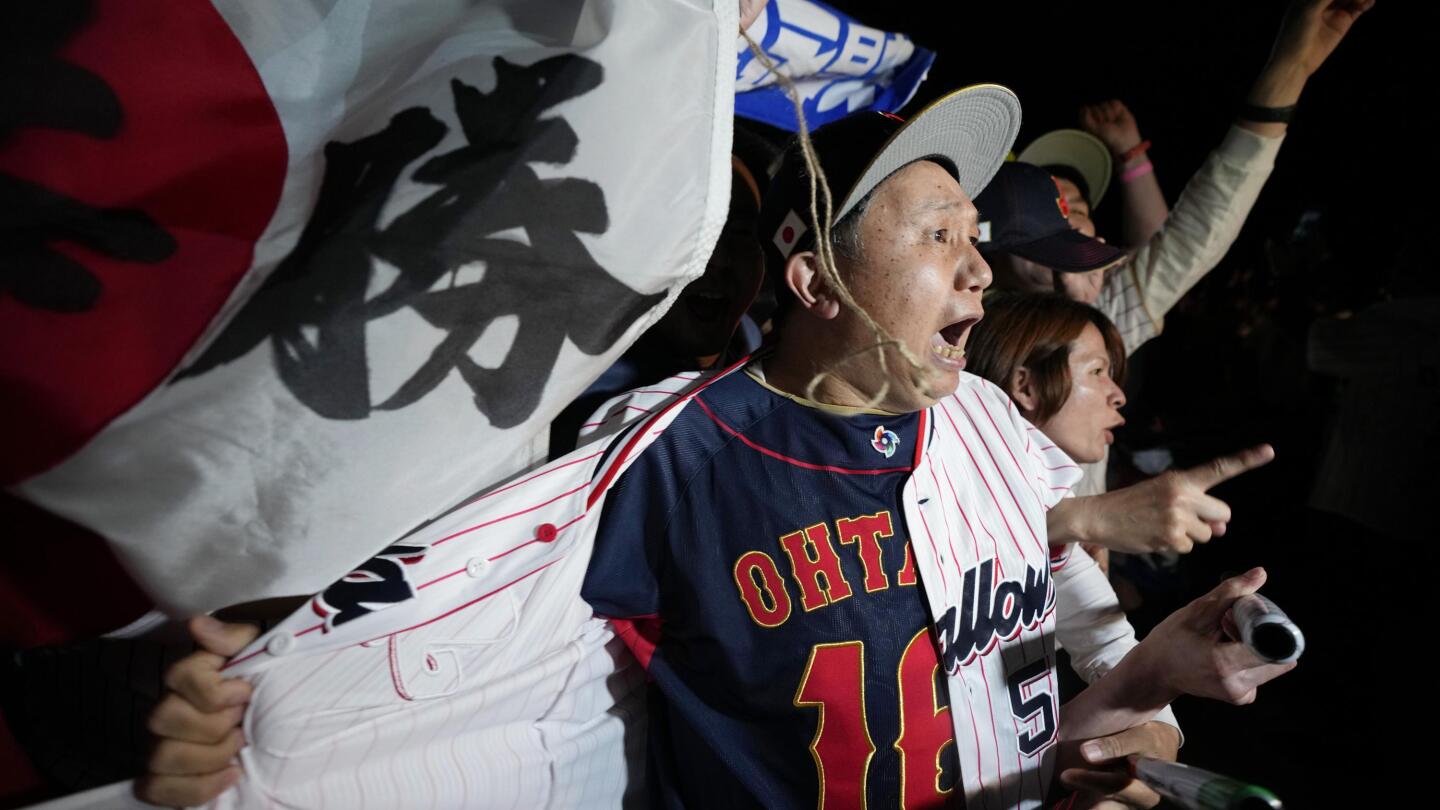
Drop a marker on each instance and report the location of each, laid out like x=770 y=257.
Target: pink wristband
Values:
x=1136 y=172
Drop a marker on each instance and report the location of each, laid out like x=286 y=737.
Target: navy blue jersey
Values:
x=757 y=559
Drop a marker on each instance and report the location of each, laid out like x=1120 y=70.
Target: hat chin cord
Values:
x=920 y=373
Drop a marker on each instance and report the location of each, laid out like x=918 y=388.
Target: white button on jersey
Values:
x=280 y=644
x=475 y=566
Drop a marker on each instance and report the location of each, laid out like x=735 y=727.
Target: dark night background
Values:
x=1346 y=727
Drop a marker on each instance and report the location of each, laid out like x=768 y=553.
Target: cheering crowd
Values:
x=819 y=536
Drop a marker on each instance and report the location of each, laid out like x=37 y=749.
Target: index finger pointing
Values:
x=1223 y=468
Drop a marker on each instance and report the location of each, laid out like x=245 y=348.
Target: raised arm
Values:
x=1308 y=35
x=1216 y=200
x=1145 y=207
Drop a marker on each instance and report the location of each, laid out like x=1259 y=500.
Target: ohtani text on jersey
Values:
x=993 y=610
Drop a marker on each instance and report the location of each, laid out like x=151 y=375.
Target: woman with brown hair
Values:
x=1061 y=361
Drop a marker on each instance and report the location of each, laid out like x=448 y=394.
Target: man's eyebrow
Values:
x=929 y=205
x=936 y=204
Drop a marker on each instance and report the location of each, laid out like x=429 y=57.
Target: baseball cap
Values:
x=968 y=131
x=1081 y=151
x=1022 y=212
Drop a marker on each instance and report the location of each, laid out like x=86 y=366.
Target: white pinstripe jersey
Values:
x=460 y=667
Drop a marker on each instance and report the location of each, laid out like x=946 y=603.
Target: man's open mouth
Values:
x=949 y=342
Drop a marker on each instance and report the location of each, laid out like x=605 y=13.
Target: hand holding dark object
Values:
x=197 y=724
x=1193 y=652
x=1189 y=653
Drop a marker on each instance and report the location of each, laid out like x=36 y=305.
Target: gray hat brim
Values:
x=1079 y=150
x=973 y=128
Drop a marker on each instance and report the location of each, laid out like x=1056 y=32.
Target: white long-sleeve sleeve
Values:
x=1199 y=231
x=1089 y=624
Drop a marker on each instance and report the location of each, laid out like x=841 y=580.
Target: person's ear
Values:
x=1022 y=389
x=803 y=277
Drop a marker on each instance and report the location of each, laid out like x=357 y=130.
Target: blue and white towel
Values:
x=840 y=65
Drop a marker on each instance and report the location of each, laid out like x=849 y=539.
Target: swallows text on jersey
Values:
x=991 y=612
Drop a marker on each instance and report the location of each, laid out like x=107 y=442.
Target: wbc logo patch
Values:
x=885 y=441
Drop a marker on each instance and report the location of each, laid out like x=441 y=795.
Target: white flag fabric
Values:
x=331 y=266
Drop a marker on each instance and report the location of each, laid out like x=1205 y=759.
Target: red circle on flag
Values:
x=200 y=152
x=788 y=234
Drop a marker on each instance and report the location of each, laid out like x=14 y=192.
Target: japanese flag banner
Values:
x=283 y=280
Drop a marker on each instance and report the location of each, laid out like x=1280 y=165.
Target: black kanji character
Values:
x=314 y=307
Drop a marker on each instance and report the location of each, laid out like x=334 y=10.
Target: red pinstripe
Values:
x=949 y=533
x=1018 y=466
x=430 y=778
x=922 y=438
x=1003 y=478
x=480 y=598
x=540 y=474
x=994 y=548
x=620 y=458
x=1019 y=765
x=359 y=781
x=504 y=518
x=994 y=735
x=400 y=780
x=613 y=414
x=265 y=709
x=983 y=479
x=1050 y=682
x=562 y=527
x=263 y=712
x=979 y=768
x=329 y=757
x=933 y=550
